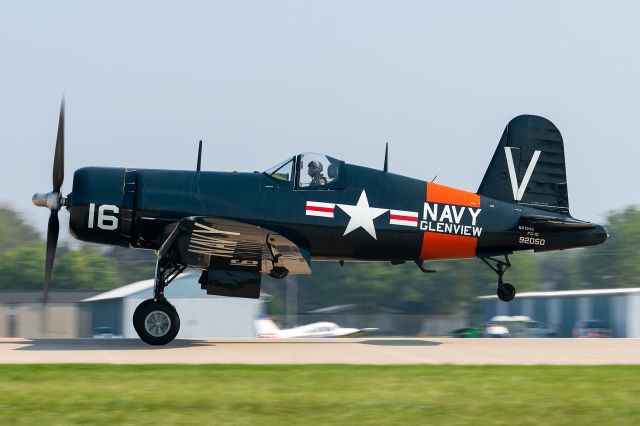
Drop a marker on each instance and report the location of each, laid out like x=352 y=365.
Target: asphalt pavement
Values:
x=324 y=351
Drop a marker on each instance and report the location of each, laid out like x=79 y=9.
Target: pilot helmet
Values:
x=315 y=167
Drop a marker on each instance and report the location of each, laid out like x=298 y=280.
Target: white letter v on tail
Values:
x=518 y=191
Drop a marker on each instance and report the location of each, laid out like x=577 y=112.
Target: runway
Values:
x=378 y=351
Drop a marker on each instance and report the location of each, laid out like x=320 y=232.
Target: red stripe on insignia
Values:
x=320 y=209
x=400 y=217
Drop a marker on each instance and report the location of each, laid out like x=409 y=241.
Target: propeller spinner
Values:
x=53 y=201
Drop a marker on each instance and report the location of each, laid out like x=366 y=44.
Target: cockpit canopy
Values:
x=309 y=171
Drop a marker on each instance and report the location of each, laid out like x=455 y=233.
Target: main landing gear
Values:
x=506 y=292
x=156 y=320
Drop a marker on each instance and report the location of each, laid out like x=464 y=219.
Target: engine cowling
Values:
x=102 y=205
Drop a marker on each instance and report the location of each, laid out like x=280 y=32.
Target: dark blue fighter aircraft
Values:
x=235 y=227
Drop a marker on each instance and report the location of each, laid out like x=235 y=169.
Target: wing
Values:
x=232 y=254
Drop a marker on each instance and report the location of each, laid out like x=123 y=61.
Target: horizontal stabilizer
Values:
x=549 y=223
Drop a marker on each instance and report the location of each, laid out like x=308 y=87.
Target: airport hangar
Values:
x=23 y=315
x=561 y=310
x=201 y=315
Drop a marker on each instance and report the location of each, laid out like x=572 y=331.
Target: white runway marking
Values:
x=324 y=351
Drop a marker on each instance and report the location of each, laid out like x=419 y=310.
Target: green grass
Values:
x=319 y=394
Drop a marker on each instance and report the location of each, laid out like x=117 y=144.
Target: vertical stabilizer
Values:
x=528 y=165
x=265 y=327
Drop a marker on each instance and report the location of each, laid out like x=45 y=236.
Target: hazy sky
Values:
x=260 y=81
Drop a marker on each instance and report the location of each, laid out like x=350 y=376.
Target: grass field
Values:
x=319 y=395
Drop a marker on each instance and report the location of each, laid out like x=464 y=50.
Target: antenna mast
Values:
x=199 y=155
x=386 y=158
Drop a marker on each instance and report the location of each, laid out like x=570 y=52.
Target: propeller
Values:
x=53 y=201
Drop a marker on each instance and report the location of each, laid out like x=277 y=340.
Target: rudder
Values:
x=528 y=165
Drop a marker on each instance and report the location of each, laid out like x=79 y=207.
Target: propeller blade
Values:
x=52 y=242
x=58 y=160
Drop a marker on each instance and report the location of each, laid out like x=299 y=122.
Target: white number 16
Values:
x=105 y=221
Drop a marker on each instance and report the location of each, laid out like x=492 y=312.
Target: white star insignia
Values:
x=362 y=215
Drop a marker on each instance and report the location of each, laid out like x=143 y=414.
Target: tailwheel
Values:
x=506 y=292
x=156 y=322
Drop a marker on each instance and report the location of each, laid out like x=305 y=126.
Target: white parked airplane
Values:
x=266 y=328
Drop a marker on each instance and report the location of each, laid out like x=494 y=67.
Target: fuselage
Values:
x=399 y=219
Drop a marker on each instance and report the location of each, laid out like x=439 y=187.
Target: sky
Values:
x=260 y=81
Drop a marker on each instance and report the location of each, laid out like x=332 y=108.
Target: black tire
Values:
x=157 y=323
x=506 y=292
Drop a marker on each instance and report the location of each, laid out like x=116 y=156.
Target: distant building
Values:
x=560 y=310
x=201 y=315
x=22 y=314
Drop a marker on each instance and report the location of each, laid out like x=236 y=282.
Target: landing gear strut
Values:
x=166 y=271
x=276 y=271
x=156 y=320
x=506 y=292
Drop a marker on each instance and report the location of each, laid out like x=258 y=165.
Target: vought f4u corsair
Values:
x=235 y=227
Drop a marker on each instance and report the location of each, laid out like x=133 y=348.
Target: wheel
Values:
x=157 y=323
x=506 y=292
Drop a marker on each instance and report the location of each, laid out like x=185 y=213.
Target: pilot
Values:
x=315 y=171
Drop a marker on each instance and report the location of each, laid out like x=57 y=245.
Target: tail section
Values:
x=528 y=166
x=265 y=327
